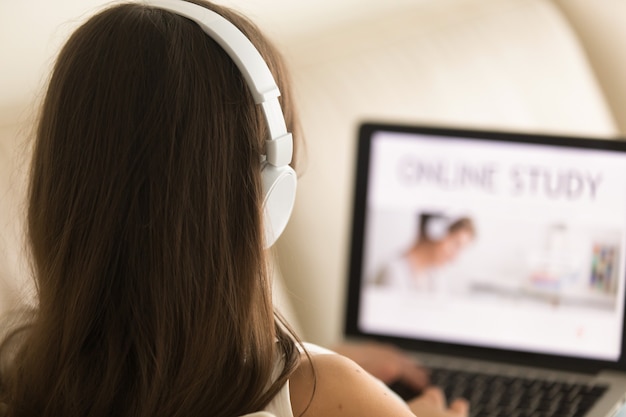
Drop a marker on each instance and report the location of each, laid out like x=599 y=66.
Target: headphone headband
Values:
x=279 y=147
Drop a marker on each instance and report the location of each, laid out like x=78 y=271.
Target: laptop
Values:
x=497 y=258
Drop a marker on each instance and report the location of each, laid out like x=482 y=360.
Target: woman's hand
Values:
x=432 y=403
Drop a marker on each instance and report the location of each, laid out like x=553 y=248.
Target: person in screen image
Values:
x=440 y=239
x=149 y=241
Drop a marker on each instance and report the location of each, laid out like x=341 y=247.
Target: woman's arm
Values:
x=333 y=385
x=386 y=362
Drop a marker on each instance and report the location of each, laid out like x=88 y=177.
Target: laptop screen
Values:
x=496 y=241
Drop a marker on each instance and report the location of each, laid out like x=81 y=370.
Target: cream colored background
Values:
x=530 y=65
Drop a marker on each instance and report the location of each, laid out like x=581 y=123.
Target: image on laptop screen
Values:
x=492 y=241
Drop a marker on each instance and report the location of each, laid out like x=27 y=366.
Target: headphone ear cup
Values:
x=279 y=196
x=436 y=228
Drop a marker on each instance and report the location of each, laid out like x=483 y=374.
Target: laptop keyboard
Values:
x=493 y=395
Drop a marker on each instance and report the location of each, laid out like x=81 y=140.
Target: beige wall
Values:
x=14 y=284
x=601 y=28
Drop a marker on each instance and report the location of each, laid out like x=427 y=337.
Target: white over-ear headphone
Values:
x=437 y=225
x=279 y=179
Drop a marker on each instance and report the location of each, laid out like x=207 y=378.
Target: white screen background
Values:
x=485 y=298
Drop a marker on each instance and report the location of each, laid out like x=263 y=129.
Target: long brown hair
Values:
x=145 y=229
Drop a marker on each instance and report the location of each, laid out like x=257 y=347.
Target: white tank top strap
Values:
x=280 y=406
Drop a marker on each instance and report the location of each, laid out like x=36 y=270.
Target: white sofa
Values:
x=522 y=65
x=528 y=65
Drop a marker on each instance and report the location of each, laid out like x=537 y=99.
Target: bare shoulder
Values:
x=333 y=385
